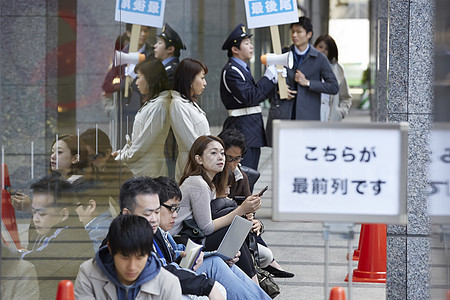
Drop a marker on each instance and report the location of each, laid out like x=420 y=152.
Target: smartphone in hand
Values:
x=263 y=191
x=10 y=190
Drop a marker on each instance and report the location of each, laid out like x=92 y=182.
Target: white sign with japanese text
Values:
x=439 y=194
x=264 y=13
x=340 y=172
x=142 y=12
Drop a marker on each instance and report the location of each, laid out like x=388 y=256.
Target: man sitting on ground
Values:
x=126 y=268
x=237 y=284
x=140 y=196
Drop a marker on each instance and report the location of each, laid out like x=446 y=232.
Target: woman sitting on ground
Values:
x=205 y=175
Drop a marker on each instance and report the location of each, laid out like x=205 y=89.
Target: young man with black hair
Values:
x=58 y=243
x=310 y=76
x=241 y=95
x=235 y=148
x=141 y=196
x=237 y=284
x=126 y=268
x=167 y=50
x=94 y=211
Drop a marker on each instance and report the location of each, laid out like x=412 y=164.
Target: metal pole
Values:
x=350 y=269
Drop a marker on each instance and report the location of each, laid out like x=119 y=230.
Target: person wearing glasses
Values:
x=236 y=283
x=144 y=152
x=235 y=148
x=205 y=176
x=141 y=196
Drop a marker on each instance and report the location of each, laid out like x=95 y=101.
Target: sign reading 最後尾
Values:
x=340 y=172
x=264 y=13
x=439 y=193
x=143 y=12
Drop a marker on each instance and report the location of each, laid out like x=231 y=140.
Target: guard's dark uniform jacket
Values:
x=170 y=70
x=238 y=90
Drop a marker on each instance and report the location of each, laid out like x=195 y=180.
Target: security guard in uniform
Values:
x=242 y=96
x=167 y=50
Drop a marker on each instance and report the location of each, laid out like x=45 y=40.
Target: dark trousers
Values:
x=251 y=157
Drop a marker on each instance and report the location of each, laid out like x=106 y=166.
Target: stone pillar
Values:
x=28 y=88
x=410 y=99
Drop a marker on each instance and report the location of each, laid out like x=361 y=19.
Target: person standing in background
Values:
x=334 y=107
x=144 y=152
x=241 y=95
x=167 y=50
x=188 y=120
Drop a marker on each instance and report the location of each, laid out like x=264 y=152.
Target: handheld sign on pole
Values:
x=439 y=194
x=263 y=13
x=340 y=172
x=143 y=12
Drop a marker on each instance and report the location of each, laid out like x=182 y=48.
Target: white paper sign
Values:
x=264 y=13
x=343 y=172
x=439 y=194
x=143 y=12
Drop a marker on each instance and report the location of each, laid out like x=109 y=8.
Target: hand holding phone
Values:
x=263 y=191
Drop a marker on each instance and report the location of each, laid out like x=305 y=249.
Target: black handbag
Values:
x=191 y=230
x=267 y=283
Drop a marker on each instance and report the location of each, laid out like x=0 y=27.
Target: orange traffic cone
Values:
x=372 y=260
x=337 y=293
x=358 y=251
x=65 y=290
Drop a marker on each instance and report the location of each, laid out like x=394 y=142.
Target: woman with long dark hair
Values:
x=334 y=107
x=205 y=176
x=144 y=152
x=188 y=120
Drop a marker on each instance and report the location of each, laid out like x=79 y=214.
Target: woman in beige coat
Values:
x=144 y=152
x=334 y=107
x=188 y=120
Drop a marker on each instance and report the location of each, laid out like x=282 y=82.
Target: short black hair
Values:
x=304 y=22
x=138 y=186
x=232 y=137
x=171 y=188
x=60 y=189
x=91 y=189
x=130 y=234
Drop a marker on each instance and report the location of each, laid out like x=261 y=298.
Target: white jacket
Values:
x=188 y=122
x=342 y=101
x=144 y=153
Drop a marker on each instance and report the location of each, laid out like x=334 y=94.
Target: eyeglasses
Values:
x=231 y=159
x=172 y=208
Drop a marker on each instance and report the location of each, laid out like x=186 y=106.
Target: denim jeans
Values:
x=237 y=284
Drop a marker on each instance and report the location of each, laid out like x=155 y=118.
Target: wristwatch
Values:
x=309 y=83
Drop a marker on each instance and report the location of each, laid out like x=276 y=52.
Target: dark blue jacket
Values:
x=239 y=90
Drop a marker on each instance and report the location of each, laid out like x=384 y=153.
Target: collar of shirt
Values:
x=302 y=52
x=168 y=60
x=237 y=174
x=239 y=62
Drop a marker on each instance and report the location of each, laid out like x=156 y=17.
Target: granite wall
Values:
x=408 y=43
